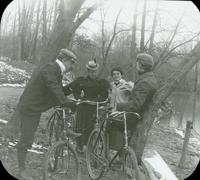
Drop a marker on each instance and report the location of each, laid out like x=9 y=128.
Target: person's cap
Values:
x=117 y=69
x=145 y=59
x=92 y=65
x=67 y=53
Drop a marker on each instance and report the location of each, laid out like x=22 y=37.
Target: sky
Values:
x=169 y=13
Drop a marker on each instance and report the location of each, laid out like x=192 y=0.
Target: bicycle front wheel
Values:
x=130 y=166
x=61 y=162
x=96 y=154
x=54 y=128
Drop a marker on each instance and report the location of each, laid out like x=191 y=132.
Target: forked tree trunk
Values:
x=65 y=26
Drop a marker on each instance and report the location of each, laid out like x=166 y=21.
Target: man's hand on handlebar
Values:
x=70 y=104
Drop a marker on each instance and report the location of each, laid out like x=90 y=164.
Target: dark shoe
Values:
x=72 y=133
x=25 y=176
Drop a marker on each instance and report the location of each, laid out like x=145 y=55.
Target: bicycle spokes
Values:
x=61 y=164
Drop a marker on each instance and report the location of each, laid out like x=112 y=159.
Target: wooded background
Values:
x=35 y=31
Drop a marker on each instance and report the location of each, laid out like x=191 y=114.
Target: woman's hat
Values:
x=92 y=65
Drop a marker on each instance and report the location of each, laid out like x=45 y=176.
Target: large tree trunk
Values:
x=160 y=96
x=65 y=26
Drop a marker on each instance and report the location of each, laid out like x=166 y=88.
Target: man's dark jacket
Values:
x=142 y=93
x=43 y=91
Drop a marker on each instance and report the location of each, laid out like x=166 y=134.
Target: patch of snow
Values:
x=12 y=85
x=195 y=141
x=38 y=146
x=180 y=132
x=12 y=144
x=3 y=121
x=160 y=167
x=35 y=151
x=9 y=74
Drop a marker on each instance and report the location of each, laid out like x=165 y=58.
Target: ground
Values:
x=164 y=140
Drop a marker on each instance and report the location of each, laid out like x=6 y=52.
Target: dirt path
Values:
x=164 y=140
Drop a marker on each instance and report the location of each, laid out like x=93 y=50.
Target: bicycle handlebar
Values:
x=117 y=113
x=89 y=102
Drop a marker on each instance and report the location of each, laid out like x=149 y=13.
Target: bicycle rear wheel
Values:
x=96 y=154
x=130 y=166
x=61 y=162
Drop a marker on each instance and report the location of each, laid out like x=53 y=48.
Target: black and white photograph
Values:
x=100 y=89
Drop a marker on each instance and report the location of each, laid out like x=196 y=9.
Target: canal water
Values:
x=183 y=103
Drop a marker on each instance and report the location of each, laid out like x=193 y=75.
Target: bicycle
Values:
x=61 y=160
x=55 y=125
x=63 y=146
x=97 y=151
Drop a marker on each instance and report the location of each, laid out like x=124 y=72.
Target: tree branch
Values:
x=84 y=16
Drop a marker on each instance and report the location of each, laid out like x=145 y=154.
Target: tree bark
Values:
x=160 y=96
x=64 y=28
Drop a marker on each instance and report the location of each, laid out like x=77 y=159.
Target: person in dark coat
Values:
x=141 y=95
x=43 y=91
x=89 y=87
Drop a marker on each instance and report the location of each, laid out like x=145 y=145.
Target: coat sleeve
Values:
x=49 y=76
x=73 y=88
x=138 y=97
x=103 y=90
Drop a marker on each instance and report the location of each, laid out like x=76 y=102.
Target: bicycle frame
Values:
x=124 y=147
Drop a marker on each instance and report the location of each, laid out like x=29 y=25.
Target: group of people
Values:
x=45 y=90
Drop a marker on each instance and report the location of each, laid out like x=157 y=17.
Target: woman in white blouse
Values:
x=120 y=89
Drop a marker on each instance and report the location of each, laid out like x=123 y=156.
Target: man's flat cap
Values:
x=145 y=59
x=67 y=53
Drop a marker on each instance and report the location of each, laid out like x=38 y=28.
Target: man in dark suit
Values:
x=43 y=91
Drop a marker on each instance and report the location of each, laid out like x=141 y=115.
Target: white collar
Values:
x=61 y=65
x=120 y=81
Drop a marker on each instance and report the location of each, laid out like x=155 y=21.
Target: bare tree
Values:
x=143 y=27
x=35 y=39
x=153 y=27
x=169 y=42
x=44 y=23
x=14 y=39
x=133 y=41
x=66 y=24
x=106 y=46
